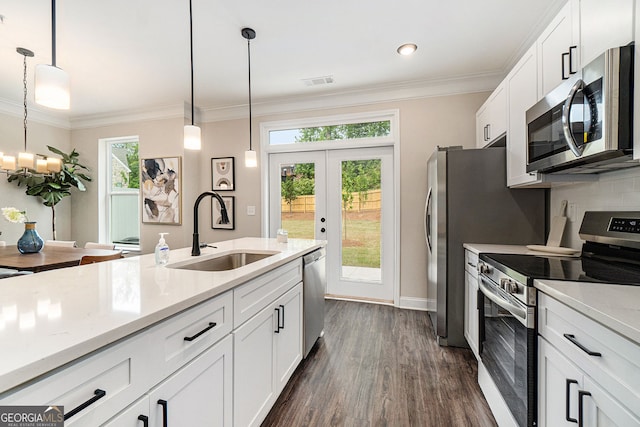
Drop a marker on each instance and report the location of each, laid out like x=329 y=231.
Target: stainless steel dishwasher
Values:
x=314 y=285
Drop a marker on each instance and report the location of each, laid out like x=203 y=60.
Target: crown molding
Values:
x=395 y=92
x=131 y=116
x=34 y=114
x=311 y=102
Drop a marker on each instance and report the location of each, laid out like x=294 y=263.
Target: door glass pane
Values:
x=361 y=225
x=344 y=132
x=298 y=204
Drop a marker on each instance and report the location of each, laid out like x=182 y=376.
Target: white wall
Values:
x=12 y=141
x=613 y=191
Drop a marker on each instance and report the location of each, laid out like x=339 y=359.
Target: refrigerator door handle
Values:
x=427 y=220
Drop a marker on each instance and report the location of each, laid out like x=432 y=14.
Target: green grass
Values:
x=360 y=249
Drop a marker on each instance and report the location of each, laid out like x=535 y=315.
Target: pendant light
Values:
x=250 y=157
x=192 y=134
x=52 y=83
x=27 y=164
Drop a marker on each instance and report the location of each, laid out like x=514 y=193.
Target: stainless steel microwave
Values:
x=586 y=126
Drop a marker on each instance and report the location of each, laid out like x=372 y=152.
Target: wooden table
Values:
x=47 y=259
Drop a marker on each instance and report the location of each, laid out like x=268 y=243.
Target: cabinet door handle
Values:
x=277 y=331
x=489 y=132
x=564 y=55
x=165 y=411
x=97 y=395
x=281 y=327
x=193 y=337
x=581 y=395
x=573 y=339
x=484 y=129
x=572 y=49
x=144 y=419
x=568 y=400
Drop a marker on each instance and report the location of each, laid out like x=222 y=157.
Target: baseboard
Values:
x=413 y=303
x=498 y=406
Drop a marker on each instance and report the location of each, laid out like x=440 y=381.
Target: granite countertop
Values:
x=51 y=318
x=615 y=306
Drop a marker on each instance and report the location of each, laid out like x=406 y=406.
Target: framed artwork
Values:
x=216 y=216
x=223 y=176
x=160 y=181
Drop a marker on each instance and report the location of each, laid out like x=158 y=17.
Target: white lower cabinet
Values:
x=267 y=349
x=199 y=394
x=471 y=331
x=587 y=374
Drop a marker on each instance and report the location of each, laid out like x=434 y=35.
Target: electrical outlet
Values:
x=572 y=212
x=251 y=210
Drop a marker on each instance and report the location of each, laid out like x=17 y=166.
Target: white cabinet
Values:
x=558 y=52
x=522 y=90
x=136 y=415
x=199 y=394
x=471 y=331
x=603 y=25
x=586 y=372
x=267 y=349
x=491 y=118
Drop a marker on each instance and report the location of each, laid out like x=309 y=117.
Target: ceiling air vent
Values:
x=315 y=81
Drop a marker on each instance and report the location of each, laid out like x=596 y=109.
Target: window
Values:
x=122 y=201
x=341 y=132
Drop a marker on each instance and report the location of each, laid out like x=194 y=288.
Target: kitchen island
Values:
x=57 y=320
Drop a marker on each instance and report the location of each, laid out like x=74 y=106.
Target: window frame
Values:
x=106 y=192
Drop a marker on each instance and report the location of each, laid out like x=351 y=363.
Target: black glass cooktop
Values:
x=529 y=267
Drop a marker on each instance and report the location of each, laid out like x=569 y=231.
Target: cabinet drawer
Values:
x=250 y=298
x=471 y=262
x=121 y=371
x=186 y=335
x=616 y=369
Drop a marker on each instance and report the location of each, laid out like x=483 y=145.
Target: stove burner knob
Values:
x=484 y=268
x=509 y=286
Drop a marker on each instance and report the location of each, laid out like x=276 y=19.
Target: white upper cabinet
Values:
x=603 y=25
x=491 y=118
x=558 y=53
x=522 y=90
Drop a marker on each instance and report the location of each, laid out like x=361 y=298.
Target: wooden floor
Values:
x=381 y=366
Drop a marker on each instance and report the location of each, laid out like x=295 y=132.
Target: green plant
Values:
x=56 y=186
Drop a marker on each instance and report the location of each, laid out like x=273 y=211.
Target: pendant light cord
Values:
x=53 y=33
x=24 y=82
x=191 y=46
x=249 y=61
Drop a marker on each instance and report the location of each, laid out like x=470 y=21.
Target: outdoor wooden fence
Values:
x=305 y=204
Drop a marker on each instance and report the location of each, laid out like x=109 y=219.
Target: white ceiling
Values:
x=126 y=55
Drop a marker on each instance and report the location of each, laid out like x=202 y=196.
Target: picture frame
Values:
x=223 y=175
x=161 y=191
x=216 y=216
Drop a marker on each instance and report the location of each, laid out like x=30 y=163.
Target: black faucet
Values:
x=195 y=247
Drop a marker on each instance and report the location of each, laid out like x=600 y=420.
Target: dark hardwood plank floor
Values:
x=381 y=366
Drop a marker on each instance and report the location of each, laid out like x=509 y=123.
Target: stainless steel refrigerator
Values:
x=468 y=202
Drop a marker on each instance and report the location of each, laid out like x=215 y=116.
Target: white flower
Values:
x=14 y=215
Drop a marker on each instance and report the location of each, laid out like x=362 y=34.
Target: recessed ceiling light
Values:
x=407 y=49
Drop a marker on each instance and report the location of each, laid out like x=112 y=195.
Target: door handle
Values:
x=564 y=55
x=568 y=400
x=165 y=411
x=572 y=49
x=144 y=419
x=566 y=121
x=581 y=395
x=277 y=331
x=97 y=395
x=575 y=342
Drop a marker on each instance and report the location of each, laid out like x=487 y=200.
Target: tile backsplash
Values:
x=613 y=191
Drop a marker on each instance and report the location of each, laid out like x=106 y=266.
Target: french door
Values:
x=345 y=197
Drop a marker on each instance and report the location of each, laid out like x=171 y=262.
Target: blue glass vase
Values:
x=30 y=242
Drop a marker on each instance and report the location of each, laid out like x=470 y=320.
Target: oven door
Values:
x=508 y=349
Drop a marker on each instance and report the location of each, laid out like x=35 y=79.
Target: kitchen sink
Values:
x=223 y=262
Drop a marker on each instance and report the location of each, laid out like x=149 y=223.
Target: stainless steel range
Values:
x=508 y=330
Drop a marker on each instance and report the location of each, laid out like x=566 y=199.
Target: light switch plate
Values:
x=251 y=210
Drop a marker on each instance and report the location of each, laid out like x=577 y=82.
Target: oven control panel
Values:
x=625 y=225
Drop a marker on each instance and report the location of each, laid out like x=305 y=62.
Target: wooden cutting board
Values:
x=558 y=224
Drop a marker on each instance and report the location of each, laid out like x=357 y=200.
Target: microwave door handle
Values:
x=566 y=125
x=519 y=312
x=427 y=220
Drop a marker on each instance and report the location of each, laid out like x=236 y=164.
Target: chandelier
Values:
x=27 y=164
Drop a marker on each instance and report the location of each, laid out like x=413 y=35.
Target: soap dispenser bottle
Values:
x=162 y=250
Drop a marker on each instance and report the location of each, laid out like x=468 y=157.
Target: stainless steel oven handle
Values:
x=507 y=305
x=566 y=125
